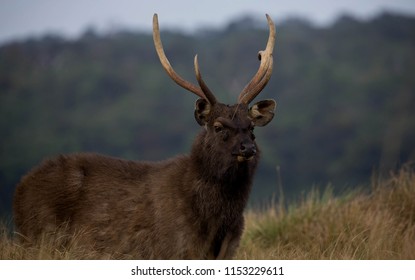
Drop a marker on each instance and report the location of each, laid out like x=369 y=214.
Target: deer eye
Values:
x=218 y=127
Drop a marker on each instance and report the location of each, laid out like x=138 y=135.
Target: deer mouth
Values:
x=244 y=158
x=245 y=155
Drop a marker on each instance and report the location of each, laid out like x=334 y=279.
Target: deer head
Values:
x=232 y=126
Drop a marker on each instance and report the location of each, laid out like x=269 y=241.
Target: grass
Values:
x=378 y=225
x=357 y=225
x=57 y=246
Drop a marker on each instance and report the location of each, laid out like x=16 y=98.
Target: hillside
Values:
x=374 y=225
x=345 y=98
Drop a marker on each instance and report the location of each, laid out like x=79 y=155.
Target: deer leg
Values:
x=224 y=247
x=228 y=247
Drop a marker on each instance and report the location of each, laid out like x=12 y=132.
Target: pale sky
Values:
x=21 y=18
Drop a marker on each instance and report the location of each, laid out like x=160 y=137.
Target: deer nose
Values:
x=247 y=149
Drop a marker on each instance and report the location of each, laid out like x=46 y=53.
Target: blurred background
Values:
x=81 y=76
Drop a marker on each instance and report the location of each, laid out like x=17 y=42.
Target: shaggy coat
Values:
x=188 y=207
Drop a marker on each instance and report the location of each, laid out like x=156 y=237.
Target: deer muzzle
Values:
x=247 y=151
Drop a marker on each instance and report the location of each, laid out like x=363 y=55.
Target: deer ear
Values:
x=262 y=112
x=202 y=110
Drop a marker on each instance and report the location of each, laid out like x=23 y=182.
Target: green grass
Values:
x=357 y=225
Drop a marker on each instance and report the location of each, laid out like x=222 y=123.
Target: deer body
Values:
x=148 y=210
x=188 y=207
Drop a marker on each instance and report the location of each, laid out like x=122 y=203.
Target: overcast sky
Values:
x=20 y=18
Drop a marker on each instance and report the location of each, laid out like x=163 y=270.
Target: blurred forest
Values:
x=345 y=94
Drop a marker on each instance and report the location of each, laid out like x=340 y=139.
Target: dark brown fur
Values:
x=187 y=207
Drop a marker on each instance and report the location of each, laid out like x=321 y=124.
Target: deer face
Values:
x=231 y=128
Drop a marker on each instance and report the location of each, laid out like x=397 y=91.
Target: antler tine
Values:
x=167 y=66
x=209 y=95
x=257 y=88
x=261 y=78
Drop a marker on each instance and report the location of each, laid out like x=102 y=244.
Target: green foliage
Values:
x=345 y=98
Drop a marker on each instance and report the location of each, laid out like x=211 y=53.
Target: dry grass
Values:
x=56 y=246
x=379 y=225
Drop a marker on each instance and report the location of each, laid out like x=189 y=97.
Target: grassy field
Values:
x=375 y=225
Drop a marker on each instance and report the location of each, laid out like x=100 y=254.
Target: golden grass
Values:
x=375 y=225
x=379 y=225
x=56 y=246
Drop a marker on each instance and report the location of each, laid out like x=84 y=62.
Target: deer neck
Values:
x=224 y=172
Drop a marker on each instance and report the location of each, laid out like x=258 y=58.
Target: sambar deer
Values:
x=187 y=207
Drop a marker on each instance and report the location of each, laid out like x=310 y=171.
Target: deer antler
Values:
x=202 y=91
x=209 y=95
x=261 y=78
